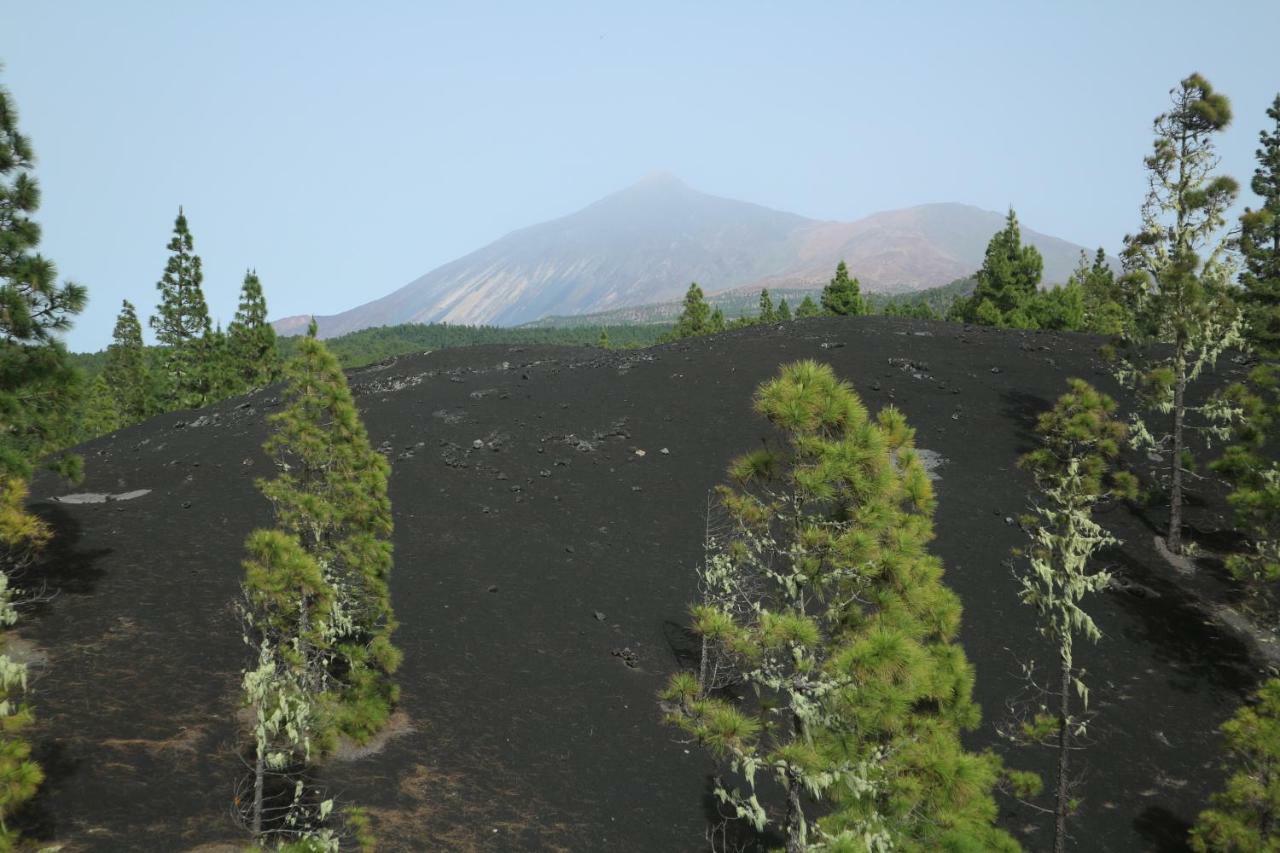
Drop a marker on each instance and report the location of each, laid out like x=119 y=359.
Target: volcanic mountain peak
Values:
x=647 y=242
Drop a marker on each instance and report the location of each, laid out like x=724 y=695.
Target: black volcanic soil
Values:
x=524 y=730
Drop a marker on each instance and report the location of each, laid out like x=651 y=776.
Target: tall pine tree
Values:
x=38 y=389
x=859 y=691
x=1008 y=281
x=331 y=496
x=1179 y=275
x=695 y=318
x=181 y=321
x=251 y=341
x=768 y=314
x=126 y=371
x=843 y=295
x=1260 y=245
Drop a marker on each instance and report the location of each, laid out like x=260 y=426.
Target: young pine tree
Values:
x=331 y=495
x=768 y=314
x=181 y=321
x=1079 y=440
x=807 y=308
x=784 y=312
x=1008 y=281
x=1179 y=274
x=1260 y=246
x=859 y=692
x=126 y=372
x=251 y=341
x=1246 y=816
x=288 y=617
x=843 y=295
x=695 y=319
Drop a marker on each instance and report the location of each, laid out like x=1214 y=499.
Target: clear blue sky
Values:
x=344 y=149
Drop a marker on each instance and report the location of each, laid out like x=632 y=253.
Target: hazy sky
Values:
x=344 y=149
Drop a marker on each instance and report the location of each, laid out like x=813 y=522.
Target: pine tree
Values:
x=1246 y=815
x=603 y=340
x=220 y=376
x=843 y=295
x=1254 y=476
x=1008 y=281
x=1072 y=469
x=251 y=341
x=1104 y=308
x=717 y=322
x=808 y=308
x=101 y=414
x=181 y=322
x=1260 y=245
x=1181 y=298
x=848 y=642
x=767 y=312
x=126 y=371
x=288 y=613
x=331 y=495
x=38 y=392
x=39 y=388
x=784 y=312
x=695 y=319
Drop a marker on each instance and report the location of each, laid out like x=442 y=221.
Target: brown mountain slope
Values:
x=646 y=244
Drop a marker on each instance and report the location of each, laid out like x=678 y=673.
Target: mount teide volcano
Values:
x=646 y=244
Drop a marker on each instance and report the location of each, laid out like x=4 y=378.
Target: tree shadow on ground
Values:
x=1175 y=625
x=63 y=567
x=1024 y=410
x=1163 y=830
x=38 y=821
x=684 y=645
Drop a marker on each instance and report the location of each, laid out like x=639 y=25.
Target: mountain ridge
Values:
x=646 y=242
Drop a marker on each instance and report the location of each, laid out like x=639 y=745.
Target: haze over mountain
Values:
x=646 y=243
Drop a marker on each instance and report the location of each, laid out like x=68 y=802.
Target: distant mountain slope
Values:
x=646 y=243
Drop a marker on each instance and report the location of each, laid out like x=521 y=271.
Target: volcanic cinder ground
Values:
x=524 y=512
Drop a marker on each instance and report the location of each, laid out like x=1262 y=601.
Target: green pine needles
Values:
x=1246 y=815
x=822 y=598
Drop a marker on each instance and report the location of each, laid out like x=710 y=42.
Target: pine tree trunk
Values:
x=797 y=841
x=259 y=772
x=1064 y=742
x=1174 y=538
x=702 y=669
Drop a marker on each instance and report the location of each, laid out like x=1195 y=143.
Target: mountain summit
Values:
x=647 y=242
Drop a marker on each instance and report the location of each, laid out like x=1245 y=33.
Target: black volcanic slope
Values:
x=524 y=730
